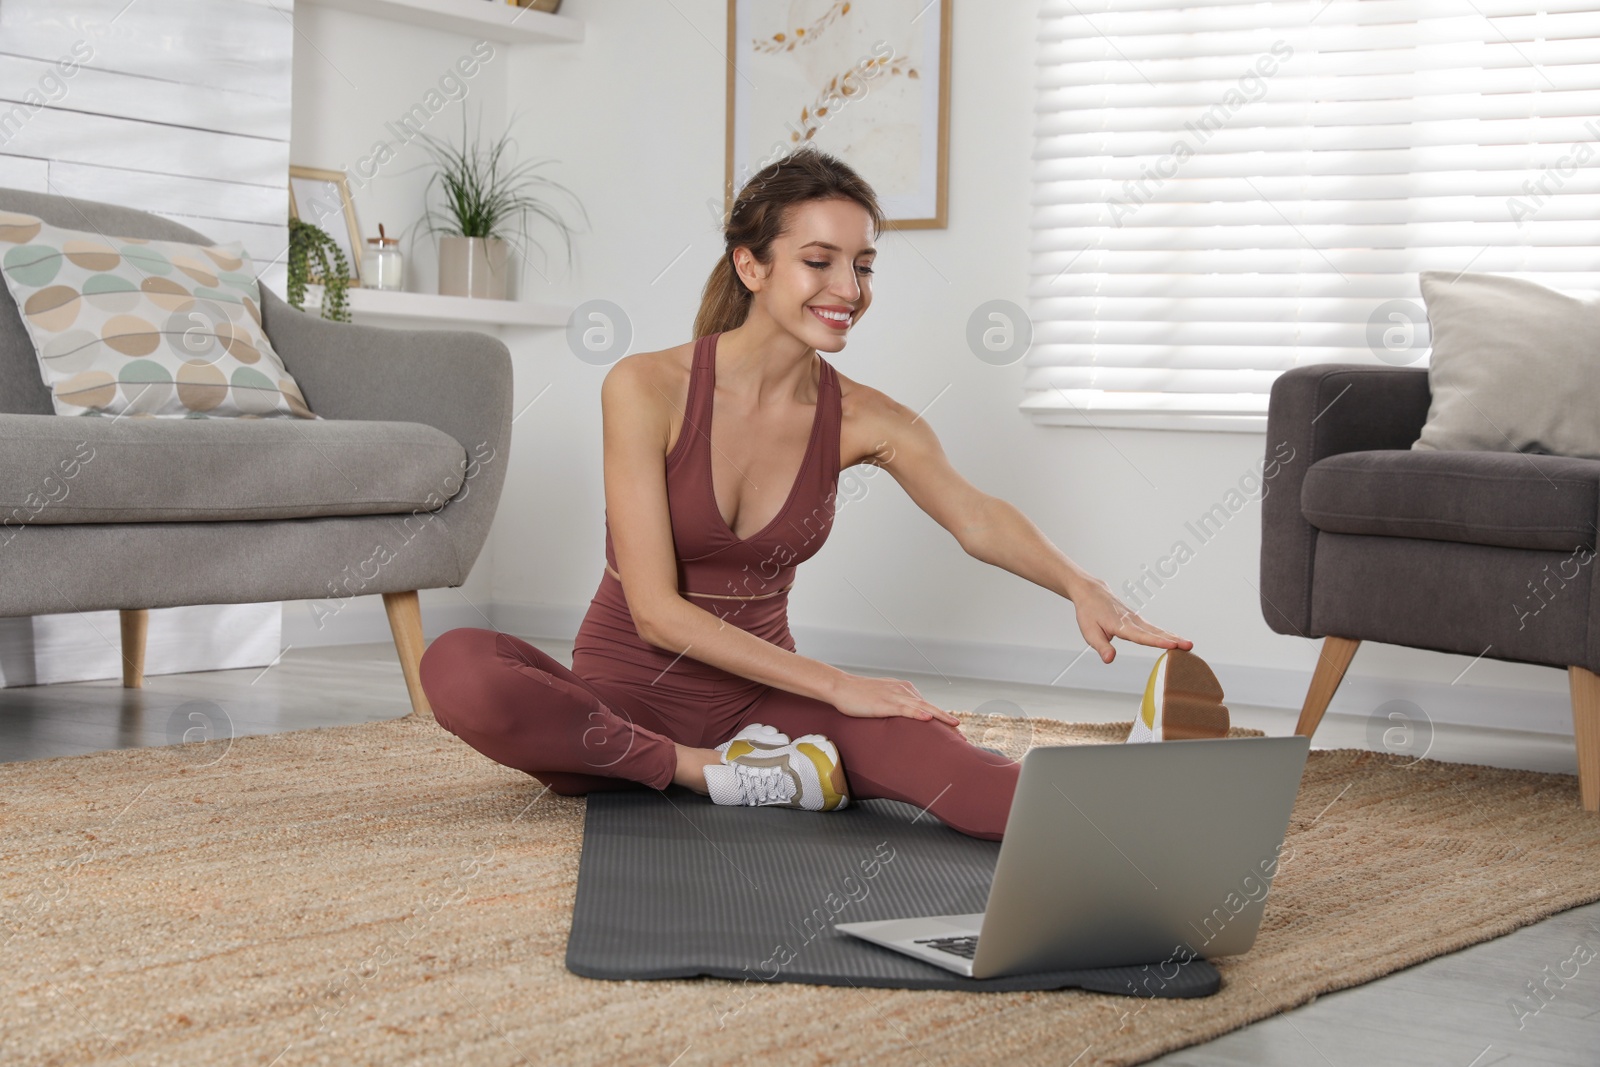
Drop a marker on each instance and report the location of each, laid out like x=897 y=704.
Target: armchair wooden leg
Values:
x=135 y=628
x=1585 y=686
x=405 y=622
x=1331 y=663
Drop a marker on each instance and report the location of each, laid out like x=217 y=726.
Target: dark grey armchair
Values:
x=1364 y=539
x=392 y=491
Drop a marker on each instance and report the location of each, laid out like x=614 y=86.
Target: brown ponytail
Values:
x=760 y=215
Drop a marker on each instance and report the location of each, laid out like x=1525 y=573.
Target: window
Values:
x=1223 y=191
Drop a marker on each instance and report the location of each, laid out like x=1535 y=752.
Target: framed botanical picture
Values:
x=323 y=197
x=869 y=83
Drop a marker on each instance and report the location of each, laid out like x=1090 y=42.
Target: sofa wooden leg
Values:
x=405 y=622
x=1585 y=686
x=1331 y=663
x=135 y=627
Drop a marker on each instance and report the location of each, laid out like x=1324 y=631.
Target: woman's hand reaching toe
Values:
x=1101 y=616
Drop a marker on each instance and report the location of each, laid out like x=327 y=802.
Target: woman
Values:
x=721 y=461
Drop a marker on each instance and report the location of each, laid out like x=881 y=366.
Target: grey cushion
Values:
x=94 y=469
x=1484 y=498
x=1514 y=604
x=1515 y=366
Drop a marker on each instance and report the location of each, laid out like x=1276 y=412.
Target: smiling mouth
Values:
x=838 y=320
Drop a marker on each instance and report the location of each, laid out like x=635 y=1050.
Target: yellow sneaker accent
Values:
x=831 y=799
x=1147 y=708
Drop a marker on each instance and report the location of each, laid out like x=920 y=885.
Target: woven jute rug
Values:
x=381 y=893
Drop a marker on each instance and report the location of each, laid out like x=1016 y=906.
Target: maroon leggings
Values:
x=522 y=708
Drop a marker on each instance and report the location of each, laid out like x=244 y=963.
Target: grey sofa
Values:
x=1365 y=539
x=392 y=491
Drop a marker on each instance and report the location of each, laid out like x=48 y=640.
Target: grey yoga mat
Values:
x=671 y=885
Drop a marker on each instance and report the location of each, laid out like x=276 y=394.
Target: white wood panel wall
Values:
x=181 y=108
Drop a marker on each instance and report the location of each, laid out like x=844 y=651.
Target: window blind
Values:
x=1223 y=191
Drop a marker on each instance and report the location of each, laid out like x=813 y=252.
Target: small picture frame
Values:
x=322 y=197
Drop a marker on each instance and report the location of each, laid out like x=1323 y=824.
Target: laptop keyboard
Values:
x=966 y=945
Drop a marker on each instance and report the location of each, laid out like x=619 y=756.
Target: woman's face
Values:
x=820 y=279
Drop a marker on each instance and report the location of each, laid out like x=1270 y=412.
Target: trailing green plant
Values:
x=483 y=193
x=308 y=241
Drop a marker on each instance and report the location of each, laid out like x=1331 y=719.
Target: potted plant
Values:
x=483 y=196
x=307 y=240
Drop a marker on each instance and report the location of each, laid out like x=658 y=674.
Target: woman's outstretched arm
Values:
x=987 y=527
x=634 y=405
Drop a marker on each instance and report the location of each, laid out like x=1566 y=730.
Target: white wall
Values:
x=169 y=106
x=635 y=115
x=355 y=77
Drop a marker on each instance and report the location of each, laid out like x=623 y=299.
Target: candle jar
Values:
x=383 y=266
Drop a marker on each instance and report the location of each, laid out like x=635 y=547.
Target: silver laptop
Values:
x=1122 y=854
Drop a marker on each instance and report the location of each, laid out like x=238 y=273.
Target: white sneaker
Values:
x=758 y=735
x=761 y=766
x=1182 y=701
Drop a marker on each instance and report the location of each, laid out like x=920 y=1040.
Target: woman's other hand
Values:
x=879 y=698
x=1101 y=616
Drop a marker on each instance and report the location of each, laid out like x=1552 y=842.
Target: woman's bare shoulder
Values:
x=871 y=419
x=862 y=402
x=655 y=379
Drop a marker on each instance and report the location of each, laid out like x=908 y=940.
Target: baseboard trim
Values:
x=82 y=646
x=1271 y=687
x=361 y=620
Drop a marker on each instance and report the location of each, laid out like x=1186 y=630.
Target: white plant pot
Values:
x=473 y=266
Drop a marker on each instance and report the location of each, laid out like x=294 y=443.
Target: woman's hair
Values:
x=761 y=213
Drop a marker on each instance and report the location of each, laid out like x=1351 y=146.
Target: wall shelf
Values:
x=497 y=21
x=389 y=304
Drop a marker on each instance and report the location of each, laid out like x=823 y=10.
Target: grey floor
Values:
x=1454 y=1011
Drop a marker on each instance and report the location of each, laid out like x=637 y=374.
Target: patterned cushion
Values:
x=164 y=329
